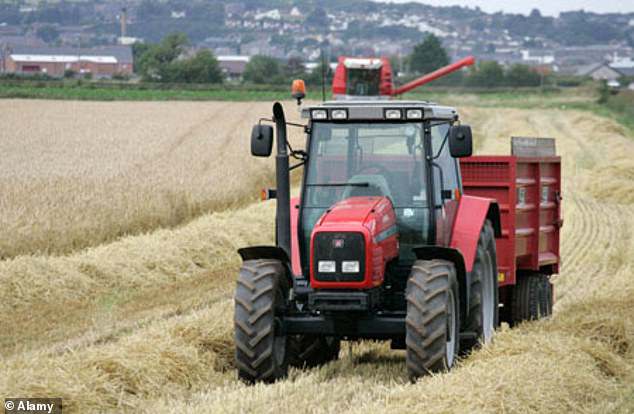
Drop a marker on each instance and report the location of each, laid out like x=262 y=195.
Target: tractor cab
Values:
x=378 y=149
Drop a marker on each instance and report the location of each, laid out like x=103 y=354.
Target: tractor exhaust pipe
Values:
x=283 y=212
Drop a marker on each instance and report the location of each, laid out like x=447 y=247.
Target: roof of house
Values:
x=63 y=58
x=624 y=66
x=587 y=70
x=625 y=71
x=105 y=54
x=233 y=58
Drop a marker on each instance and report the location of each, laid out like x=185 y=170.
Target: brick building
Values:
x=233 y=66
x=101 y=62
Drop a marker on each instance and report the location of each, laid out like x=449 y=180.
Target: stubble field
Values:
x=118 y=233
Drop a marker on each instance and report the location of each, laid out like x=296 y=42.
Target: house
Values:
x=624 y=66
x=602 y=71
x=103 y=62
x=233 y=66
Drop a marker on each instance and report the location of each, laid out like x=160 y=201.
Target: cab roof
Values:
x=376 y=109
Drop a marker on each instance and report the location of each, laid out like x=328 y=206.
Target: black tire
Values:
x=260 y=298
x=308 y=351
x=433 y=318
x=532 y=298
x=482 y=320
x=547 y=296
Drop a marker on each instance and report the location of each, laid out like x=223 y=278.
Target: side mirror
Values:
x=460 y=141
x=261 y=140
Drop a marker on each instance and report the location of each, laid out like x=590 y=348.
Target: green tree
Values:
x=294 y=68
x=154 y=62
x=428 y=56
x=202 y=68
x=164 y=62
x=604 y=92
x=522 y=75
x=262 y=69
x=316 y=77
x=138 y=50
x=486 y=74
x=48 y=33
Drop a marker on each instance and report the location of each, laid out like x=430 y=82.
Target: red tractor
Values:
x=398 y=235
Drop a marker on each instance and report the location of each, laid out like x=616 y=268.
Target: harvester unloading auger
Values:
x=399 y=234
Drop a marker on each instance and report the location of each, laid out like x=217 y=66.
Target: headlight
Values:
x=326 y=266
x=339 y=114
x=350 y=267
x=393 y=114
x=414 y=114
x=319 y=114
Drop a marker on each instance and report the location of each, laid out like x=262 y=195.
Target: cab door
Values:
x=447 y=185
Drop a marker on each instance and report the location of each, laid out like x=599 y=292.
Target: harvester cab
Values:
x=384 y=244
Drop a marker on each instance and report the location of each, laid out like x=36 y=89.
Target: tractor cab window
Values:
x=363 y=82
x=446 y=177
x=368 y=159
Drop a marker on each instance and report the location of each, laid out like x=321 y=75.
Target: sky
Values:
x=547 y=7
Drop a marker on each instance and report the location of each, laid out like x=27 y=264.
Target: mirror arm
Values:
x=300 y=164
x=444 y=141
x=306 y=129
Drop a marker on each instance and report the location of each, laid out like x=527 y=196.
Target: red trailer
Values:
x=527 y=189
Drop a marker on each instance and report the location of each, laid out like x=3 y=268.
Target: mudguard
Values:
x=263 y=252
x=471 y=215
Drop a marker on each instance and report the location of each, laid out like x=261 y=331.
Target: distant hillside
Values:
x=344 y=24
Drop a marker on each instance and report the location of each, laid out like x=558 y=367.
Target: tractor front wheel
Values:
x=433 y=318
x=260 y=301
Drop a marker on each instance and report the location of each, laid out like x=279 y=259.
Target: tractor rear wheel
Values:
x=483 y=315
x=532 y=298
x=260 y=301
x=433 y=318
x=308 y=351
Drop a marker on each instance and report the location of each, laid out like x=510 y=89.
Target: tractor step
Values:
x=468 y=335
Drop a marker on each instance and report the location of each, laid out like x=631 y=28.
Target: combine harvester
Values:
x=371 y=78
x=399 y=233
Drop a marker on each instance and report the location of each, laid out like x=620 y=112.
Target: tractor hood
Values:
x=353 y=210
x=358 y=230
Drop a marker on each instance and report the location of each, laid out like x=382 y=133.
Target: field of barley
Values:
x=118 y=229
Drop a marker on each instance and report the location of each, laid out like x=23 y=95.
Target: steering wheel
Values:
x=380 y=169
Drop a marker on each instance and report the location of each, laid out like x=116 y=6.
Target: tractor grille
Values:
x=339 y=247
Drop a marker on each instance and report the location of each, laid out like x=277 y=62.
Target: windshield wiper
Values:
x=339 y=185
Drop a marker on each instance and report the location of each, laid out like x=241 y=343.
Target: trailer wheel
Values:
x=308 y=351
x=433 y=318
x=532 y=298
x=260 y=299
x=483 y=315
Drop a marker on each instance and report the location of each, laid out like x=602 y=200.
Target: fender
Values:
x=470 y=217
x=267 y=252
x=263 y=252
